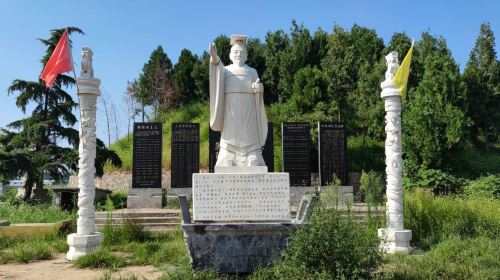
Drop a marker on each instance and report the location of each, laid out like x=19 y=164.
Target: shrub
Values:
x=439 y=182
x=456 y=258
x=331 y=247
x=488 y=186
x=372 y=185
x=100 y=259
x=115 y=200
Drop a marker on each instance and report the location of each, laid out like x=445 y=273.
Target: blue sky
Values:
x=123 y=33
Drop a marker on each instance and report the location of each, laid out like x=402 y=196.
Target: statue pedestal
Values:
x=80 y=245
x=241 y=220
x=144 y=198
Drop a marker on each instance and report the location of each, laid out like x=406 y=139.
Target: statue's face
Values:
x=238 y=54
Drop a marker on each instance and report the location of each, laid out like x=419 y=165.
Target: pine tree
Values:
x=156 y=88
x=181 y=76
x=482 y=81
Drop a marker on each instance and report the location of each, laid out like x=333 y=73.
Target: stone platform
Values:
x=235 y=247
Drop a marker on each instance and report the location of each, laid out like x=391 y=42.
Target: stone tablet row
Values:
x=185 y=153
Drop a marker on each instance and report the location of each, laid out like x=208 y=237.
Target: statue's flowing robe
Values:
x=235 y=109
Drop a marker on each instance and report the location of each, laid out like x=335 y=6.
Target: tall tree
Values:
x=434 y=122
x=338 y=66
x=298 y=55
x=50 y=122
x=181 y=76
x=275 y=45
x=200 y=76
x=365 y=109
x=155 y=82
x=482 y=81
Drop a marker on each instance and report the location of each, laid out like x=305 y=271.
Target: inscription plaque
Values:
x=332 y=139
x=146 y=162
x=185 y=154
x=267 y=150
x=296 y=143
x=241 y=197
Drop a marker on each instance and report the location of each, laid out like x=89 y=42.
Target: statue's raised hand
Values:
x=212 y=49
x=258 y=87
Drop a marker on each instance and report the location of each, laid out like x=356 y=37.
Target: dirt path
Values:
x=59 y=268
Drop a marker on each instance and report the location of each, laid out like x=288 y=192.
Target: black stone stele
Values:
x=185 y=154
x=267 y=151
x=147 y=151
x=332 y=140
x=213 y=148
x=296 y=144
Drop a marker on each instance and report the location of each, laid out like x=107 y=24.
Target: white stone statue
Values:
x=87 y=71
x=392 y=65
x=237 y=107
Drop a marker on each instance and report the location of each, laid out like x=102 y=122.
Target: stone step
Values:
x=138 y=220
x=152 y=227
x=137 y=213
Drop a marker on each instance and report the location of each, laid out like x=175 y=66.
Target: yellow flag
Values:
x=401 y=78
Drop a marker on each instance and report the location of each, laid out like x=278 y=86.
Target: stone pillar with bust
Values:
x=241 y=212
x=394 y=238
x=86 y=239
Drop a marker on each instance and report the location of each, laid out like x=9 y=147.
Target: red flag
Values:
x=60 y=61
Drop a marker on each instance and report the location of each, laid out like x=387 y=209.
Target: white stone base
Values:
x=144 y=198
x=241 y=197
x=395 y=241
x=240 y=169
x=80 y=245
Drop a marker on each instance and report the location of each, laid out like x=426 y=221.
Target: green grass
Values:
x=15 y=210
x=435 y=219
x=21 y=250
x=139 y=247
x=101 y=259
x=456 y=258
x=108 y=275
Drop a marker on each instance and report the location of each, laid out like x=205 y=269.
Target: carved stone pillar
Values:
x=86 y=239
x=394 y=238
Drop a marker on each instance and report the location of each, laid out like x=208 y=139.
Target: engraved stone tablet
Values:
x=185 y=154
x=241 y=197
x=146 y=163
x=332 y=139
x=296 y=145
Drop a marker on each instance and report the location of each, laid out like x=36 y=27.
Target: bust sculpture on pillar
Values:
x=394 y=238
x=86 y=239
x=237 y=107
